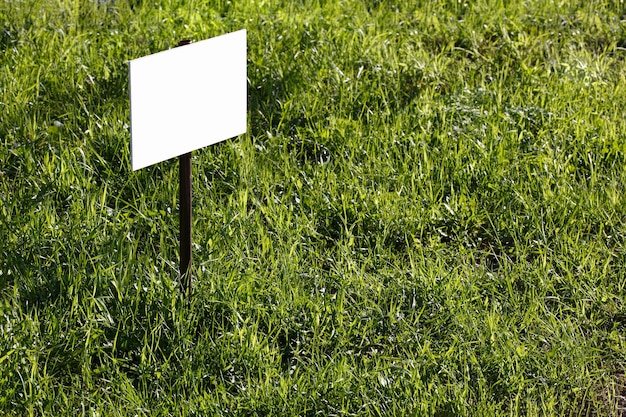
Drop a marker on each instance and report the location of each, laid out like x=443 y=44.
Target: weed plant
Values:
x=426 y=217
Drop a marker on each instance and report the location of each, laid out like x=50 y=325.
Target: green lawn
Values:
x=426 y=217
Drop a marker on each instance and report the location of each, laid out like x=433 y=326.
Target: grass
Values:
x=426 y=217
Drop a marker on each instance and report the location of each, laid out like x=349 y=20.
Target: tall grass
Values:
x=426 y=217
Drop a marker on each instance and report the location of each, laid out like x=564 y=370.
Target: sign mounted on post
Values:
x=187 y=98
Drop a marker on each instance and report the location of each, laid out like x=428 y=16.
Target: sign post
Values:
x=185 y=99
x=185 y=214
x=184 y=192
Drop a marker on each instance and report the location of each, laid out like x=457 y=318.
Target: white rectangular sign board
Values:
x=187 y=98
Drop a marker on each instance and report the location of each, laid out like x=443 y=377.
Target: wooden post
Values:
x=184 y=171
x=184 y=192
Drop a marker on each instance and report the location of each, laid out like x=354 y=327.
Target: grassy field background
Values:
x=427 y=216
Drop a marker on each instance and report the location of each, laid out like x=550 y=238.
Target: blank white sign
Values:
x=187 y=98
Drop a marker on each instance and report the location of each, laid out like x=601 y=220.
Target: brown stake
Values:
x=184 y=189
x=184 y=170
